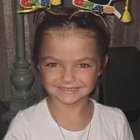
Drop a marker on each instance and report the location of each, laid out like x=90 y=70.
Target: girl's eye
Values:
x=84 y=65
x=52 y=65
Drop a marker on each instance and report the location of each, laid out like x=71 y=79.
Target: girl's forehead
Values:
x=69 y=38
x=72 y=37
x=67 y=42
x=70 y=48
x=69 y=32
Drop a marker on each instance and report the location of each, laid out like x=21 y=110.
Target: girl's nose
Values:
x=68 y=75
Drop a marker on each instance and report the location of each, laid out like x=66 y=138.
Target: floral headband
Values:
x=93 y=6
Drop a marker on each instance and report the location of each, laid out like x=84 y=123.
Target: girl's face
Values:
x=69 y=65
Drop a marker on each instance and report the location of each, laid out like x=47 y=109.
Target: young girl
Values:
x=70 y=53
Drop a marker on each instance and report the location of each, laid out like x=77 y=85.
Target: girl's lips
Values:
x=69 y=89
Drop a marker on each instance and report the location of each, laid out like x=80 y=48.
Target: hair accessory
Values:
x=87 y=11
x=35 y=5
x=126 y=15
x=97 y=7
x=55 y=2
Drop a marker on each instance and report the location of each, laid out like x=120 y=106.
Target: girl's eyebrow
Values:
x=86 y=59
x=49 y=58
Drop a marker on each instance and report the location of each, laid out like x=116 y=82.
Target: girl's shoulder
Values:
x=108 y=112
x=33 y=112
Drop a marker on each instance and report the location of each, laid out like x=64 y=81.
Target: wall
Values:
x=127 y=34
x=7 y=47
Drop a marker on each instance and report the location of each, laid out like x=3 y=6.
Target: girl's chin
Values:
x=69 y=101
x=70 y=98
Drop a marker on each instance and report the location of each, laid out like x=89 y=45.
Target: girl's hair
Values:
x=85 y=21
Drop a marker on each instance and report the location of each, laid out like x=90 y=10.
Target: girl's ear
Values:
x=106 y=60
x=38 y=67
x=104 y=65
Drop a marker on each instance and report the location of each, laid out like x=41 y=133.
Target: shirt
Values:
x=36 y=123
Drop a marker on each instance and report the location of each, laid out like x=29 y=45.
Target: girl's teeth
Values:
x=69 y=89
